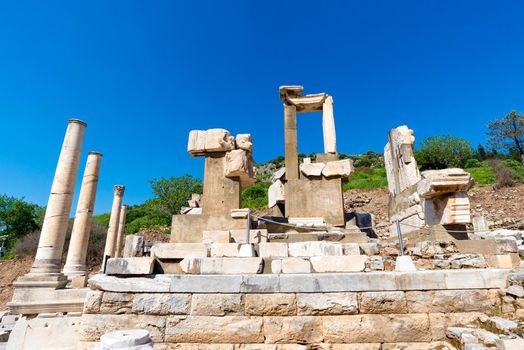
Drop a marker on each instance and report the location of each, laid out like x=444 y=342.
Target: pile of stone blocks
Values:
x=435 y=197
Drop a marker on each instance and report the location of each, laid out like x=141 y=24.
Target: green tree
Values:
x=18 y=217
x=445 y=151
x=507 y=133
x=481 y=152
x=173 y=193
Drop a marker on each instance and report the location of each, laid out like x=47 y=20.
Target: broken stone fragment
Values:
x=340 y=168
x=312 y=169
x=244 y=141
x=213 y=140
x=439 y=182
x=240 y=164
x=276 y=194
x=280 y=174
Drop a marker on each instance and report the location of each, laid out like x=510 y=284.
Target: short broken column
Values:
x=120 y=235
x=47 y=264
x=328 y=126
x=76 y=256
x=114 y=220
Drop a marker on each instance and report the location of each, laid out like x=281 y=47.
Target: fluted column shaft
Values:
x=51 y=244
x=76 y=255
x=120 y=235
x=112 y=232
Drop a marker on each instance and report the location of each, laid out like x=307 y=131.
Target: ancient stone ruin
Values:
x=306 y=277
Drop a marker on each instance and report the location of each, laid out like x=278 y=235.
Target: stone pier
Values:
x=114 y=220
x=45 y=271
x=76 y=256
x=120 y=235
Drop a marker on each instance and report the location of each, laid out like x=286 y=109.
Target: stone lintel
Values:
x=308 y=283
x=290 y=90
x=307 y=103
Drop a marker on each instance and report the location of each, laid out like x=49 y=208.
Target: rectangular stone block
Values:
x=255 y=236
x=260 y=284
x=179 y=250
x=453 y=301
x=317 y=248
x=210 y=329
x=392 y=302
x=216 y=237
x=161 y=304
x=277 y=304
x=217 y=305
x=190 y=228
x=329 y=282
x=224 y=250
x=293 y=329
x=205 y=284
x=93 y=326
x=372 y=328
x=130 y=266
x=345 y=263
x=273 y=250
x=421 y=280
x=476 y=279
x=351 y=248
x=295 y=265
x=327 y=304
x=158 y=284
x=229 y=266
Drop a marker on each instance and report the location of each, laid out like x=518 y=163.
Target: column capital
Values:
x=95 y=153
x=118 y=190
x=78 y=121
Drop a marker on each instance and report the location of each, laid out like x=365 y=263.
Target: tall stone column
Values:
x=114 y=220
x=46 y=267
x=120 y=235
x=290 y=139
x=76 y=256
x=328 y=126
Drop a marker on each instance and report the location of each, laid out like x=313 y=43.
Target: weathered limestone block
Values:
x=92 y=302
x=134 y=246
x=339 y=168
x=370 y=328
x=196 y=144
x=244 y=141
x=276 y=193
x=296 y=265
x=228 y=266
x=327 y=304
x=369 y=346
x=438 y=182
x=371 y=248
x=293 y=329
x=383 y=302
x=191 y=266
x=425 y=346
x=441 y=321
x=273 y=250
x=130 y=266
x=219 y=140
x=351 y=248
x=449 y=301
x=93 y=326
x=315 y=248
x=179 y=250
x=239 y=213
x=216 y=237
x=271 y=304
x=239 y=163
x=506 y=245
x=255 y=236
x=157 y=284
x=217 y=305
x=312 y=169
x=401 y=166
x=346 y=263
x=448 y=209
x=116 y=303
x=126 y=339
x=224 y=250
x=161 y=304
x=226 y=329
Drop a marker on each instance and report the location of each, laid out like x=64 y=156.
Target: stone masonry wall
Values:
x=346 y=320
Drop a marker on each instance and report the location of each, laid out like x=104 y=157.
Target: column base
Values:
x=41 y=280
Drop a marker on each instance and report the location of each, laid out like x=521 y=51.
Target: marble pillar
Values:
x=76 y=256
x=290 y=139
x=112 y=231
x=120 y=234
x=47 y=265
x=328 y=126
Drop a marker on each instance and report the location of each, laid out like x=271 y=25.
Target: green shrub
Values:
x=441 y=152
x=255 y=197
x=367 y=178
x=483 y=175
x=473 y=163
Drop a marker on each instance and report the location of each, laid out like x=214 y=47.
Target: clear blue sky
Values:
x=143 y=74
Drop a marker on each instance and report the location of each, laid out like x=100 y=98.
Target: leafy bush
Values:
x=440 y=152
x=367 y=178
x=172 y=194
x=473 y=163
x=255 y=197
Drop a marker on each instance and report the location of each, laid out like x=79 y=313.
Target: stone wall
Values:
x=334 y=311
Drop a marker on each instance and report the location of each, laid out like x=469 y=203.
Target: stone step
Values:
x=222 y=266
